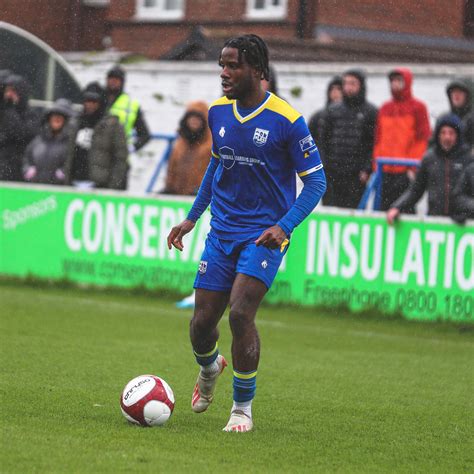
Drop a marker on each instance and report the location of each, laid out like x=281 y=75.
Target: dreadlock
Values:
x=254 y=50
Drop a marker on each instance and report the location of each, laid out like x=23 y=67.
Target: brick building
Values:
x=296 y=29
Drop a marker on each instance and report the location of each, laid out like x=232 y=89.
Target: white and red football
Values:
x=147 y=400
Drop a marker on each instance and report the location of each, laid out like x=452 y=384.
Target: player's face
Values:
x=237 y=77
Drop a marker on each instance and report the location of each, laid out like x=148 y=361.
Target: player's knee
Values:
x=199 y=324
x=240 y=322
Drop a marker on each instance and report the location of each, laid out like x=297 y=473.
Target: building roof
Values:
x=335 y=44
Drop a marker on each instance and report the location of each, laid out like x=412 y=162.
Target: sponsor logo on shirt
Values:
x=260 y=136
x=222 y=132
x=306 y=144
x=264 y=264
x=229 y=158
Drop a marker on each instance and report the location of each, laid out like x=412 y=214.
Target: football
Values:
x=147 y=400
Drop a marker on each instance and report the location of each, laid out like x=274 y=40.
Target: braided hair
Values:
x=254 y=50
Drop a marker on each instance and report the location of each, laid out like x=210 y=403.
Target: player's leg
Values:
x=210 y=306
x=256 y=270
x=213 y=284
x=246 y=296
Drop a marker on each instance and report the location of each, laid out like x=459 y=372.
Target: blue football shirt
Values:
x=254 y=185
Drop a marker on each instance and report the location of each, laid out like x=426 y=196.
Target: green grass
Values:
x=335 y=393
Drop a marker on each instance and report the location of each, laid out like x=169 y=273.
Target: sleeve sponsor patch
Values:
x=307 y=143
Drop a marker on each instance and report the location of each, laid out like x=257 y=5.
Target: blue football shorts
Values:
x=223 y=259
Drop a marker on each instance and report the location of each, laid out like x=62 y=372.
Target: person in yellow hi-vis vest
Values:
x=127 y=110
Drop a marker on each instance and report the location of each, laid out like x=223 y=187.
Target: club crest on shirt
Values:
x=260 y=136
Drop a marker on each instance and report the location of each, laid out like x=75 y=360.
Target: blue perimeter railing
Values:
x=375 y=181
x=164 y=159
x=374 y=185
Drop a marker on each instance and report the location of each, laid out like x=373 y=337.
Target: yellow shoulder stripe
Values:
x=222 y=101
x=275 y=104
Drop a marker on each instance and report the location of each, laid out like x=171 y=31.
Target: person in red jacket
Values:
x=402 y=131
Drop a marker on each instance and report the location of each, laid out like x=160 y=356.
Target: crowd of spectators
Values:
x=352 y=135
x=89 y=146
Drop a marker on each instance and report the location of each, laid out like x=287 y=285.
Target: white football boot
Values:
x=203 y=393
x=239 y=422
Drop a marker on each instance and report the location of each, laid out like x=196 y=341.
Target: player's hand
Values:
x=272 y=238
x=392 y=215
x=175 y=237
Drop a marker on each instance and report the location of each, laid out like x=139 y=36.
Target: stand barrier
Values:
x=164 y=159
x=374 y=185
x=421 y=268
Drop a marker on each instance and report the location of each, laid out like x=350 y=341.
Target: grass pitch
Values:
x=334 y=393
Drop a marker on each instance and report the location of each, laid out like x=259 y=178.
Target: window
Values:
x=266 y=9
x=160 y=9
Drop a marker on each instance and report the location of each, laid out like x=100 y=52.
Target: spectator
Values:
x=45 y=156
x=440 y=169
x=459 y=96
x=333 y=96
x=459 y=92
x=346 y=142
x=4 y=73
x=403 y=131
x=97 y=154
x=191 y=152
x=127 y=110
x=463 y=195
x=18 y=126
x=468 y=123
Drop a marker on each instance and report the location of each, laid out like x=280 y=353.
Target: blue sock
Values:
x=245 y=384
x=208 y=358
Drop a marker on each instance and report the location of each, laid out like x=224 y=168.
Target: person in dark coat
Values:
x=463 y=195
x=97 y=155
x=4 y=73
x=45 y=156
x=439 y=172
x=333 y=96
x=18 y=126
x=459 y=96
x=459 y=92
x=346 y=142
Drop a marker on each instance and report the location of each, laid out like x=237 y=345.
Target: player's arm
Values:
x=314 y=186
x=201 y=203
x=307 y=162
